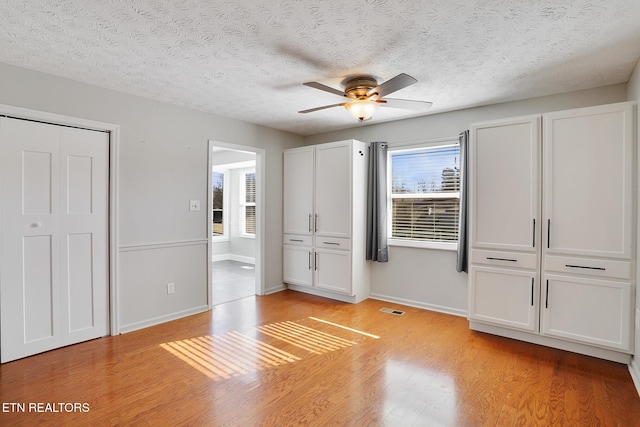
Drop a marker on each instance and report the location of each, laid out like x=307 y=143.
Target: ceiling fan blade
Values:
x=325 y=88
x=322 y=108
x=398 y=82
x=406 y=104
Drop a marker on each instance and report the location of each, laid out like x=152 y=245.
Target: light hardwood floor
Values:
x=288 y=359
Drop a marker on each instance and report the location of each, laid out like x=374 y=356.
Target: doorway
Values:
x=235 y=218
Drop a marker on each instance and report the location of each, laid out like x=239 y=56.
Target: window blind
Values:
x=425 y=192
x=250 y=201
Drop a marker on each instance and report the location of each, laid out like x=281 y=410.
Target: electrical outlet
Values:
x=170 y=288
x=637 y=319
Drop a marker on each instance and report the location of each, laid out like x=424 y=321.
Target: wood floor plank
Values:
x=326 y=363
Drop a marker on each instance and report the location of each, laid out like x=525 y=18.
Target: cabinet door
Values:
x=333 y=270
x=504 y=297
x=333 y=189
x=298 y=190
x=297 y=265
x=591 y=311
x=588 y=178
x=505 y=184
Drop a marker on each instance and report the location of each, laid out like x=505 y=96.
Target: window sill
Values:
x=445 y=246
x=247 y=236
x=218 y=239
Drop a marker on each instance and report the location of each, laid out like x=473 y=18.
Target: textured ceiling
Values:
x=247 y=59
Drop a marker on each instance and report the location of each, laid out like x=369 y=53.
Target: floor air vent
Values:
x=391 y=311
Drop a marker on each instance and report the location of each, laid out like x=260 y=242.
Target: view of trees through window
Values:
x=218 y=204
x=425 y=193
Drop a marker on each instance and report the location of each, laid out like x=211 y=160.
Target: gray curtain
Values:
x=463 y=254
x=377 y=203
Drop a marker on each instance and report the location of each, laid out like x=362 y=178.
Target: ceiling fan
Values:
x=364 y=95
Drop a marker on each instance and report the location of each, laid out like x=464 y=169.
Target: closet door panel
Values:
x=84 y=176
x=589 y=181
x=298 y=191
x=297 y=265
x=591 y=311
x=29 y=250
x=504 y=297
x=504 y=184
x=333 y=270
x=333 y=190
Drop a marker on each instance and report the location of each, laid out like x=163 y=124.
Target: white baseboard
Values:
x=274 y=289
x=162 y=319
x=322 y=293
x=534 y=338
x=233 y=257
x=634 y=370
x=418 y=304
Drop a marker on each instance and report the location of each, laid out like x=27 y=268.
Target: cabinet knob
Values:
x=36 y=224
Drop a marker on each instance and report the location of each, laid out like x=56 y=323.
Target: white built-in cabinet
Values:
x=551 y=208
x=324 y=220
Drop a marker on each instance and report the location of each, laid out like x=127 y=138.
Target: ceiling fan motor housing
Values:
x=358 y=87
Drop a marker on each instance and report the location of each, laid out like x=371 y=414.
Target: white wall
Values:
x=424 y=277
x=633 y=90
x=163 y=164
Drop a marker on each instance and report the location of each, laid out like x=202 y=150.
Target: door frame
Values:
x=260 y=214
x=114 y=140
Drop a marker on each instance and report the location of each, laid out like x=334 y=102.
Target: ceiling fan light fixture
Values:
x=361 y=109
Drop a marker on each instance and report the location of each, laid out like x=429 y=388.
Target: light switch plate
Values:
x=194 y=205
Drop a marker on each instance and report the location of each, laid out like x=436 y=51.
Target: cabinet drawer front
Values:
x=588 y=266
x=504 y=259
x=333 y=243
x=297 y=239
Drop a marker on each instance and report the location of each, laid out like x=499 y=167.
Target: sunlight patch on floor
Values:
x=228 y=355
x=345 y=327
x=233 y=354
x=306 y=338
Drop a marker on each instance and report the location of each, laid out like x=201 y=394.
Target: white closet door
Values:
x=592 y=311
x=333 y=270
x=333 y=189
x=53 y=253
x=297 y=265
x=504 y=297
x=505 y=184
x=298 y=191
x=83 y=230
x=588 y=173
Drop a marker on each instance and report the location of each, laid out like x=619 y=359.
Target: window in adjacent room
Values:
x=248 y=203
x=424 y=192
x=220 y=196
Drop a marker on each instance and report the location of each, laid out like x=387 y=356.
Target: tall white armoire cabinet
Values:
x=552 y=226
x=324 y=220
